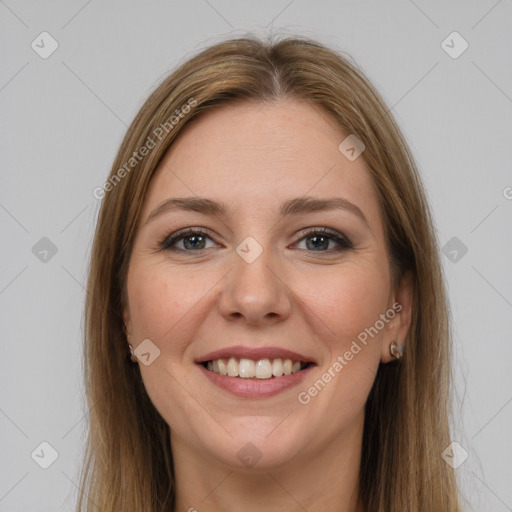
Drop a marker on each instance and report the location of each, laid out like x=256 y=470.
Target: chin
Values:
x=257 y=443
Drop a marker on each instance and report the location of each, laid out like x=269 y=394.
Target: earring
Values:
x=132 y=354
x=396 y=350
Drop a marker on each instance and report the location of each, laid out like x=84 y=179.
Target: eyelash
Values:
x=168 y=241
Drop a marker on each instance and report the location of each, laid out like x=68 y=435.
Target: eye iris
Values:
x=193 y=246
x=315 y=245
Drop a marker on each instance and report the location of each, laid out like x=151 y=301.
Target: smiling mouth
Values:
x=255 y=369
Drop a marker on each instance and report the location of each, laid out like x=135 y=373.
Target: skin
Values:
x=313 y=301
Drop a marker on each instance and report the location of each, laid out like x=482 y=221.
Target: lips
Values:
x=254 y=372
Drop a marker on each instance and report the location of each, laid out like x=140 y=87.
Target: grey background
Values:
x=63 y=118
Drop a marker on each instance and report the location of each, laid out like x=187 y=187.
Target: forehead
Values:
x=260 y=155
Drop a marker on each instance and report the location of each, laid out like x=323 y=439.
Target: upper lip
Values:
x=254 y=353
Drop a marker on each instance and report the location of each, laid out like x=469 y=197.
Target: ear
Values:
x=126 y=314
x=398 y=327
x=128 y=328
x=127 y=319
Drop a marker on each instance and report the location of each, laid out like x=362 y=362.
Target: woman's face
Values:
x=259 y=291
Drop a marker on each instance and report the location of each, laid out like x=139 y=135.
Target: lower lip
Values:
x=255 y=388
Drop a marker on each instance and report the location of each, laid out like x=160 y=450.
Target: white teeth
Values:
x=223 y=369
x=277 y=367
x=248 y=368
x=232 y=367
x=263 y=369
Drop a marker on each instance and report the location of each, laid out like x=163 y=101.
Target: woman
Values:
x=266 y=322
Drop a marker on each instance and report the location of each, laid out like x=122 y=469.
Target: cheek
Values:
x=349 y=303
x=348 y=300
x=161 y=299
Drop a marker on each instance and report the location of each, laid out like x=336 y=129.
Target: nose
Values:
x=255 y=293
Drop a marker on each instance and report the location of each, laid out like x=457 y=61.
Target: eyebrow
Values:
x=297 y=206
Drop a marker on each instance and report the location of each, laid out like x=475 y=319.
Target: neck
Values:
x=329 y=480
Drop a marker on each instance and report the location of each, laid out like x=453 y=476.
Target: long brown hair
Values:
x=128 y=461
